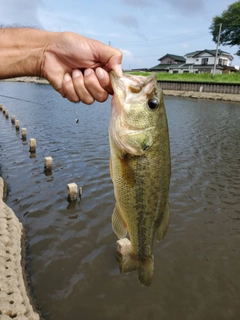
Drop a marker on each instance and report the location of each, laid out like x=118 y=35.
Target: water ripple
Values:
x=71 y=254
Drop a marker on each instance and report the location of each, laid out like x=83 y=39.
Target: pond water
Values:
x=71 y=253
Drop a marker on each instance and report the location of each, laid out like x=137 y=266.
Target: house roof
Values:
x=211 y=52
x=186 y=65
x=199 y=66
x=174 y=57
x=162 y=66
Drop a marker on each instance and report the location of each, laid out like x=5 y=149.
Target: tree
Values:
x=230 y=20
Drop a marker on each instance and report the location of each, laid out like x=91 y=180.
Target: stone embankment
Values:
x=200 y=86
x=14 y=297
x=203 y=95
x=27 y=79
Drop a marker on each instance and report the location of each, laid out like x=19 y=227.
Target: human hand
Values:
x=78 y=67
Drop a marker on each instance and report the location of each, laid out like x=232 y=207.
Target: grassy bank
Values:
x=201 y=77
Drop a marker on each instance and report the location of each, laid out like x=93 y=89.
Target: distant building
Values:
x=195 y=62
x=167 y=62
x=203 y=61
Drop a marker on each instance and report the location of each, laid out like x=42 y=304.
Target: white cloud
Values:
x=129 y=60
x=127 y=54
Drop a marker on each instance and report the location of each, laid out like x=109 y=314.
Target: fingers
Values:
x=110 y=57
x=114 y=63
x=104 y=79
x=68 y=89
x=93 y=85
x=80 y=88
x=88 y=87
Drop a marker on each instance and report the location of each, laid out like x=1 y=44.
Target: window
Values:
x=204 y=60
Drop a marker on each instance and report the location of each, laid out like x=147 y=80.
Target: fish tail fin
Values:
x=145 y=268
x=145 y=272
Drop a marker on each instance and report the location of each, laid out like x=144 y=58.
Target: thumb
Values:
x=110 y=57
x=114 y=63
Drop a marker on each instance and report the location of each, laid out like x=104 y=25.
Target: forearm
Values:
x=21 y=51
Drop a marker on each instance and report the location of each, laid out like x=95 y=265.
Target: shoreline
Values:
x=27 y=79
x=15 y=299
x=203 y=95
x=175 y=93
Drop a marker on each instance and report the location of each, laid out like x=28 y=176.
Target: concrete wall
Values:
x=14 y=294
x=195 y=86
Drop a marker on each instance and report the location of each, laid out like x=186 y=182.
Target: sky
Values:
x=144 y=30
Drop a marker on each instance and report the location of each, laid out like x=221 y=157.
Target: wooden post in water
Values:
x=48 y=164
x=80 y=193
x=6 y=114
x=17 y=125
x=13 y=119
x=72 y=192
x=24 y=134
x=123 y=246
x=33 y=144
x=123 y=249
x=3 y=110
x=1 y=106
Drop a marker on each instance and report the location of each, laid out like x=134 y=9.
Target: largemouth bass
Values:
x=140 y=168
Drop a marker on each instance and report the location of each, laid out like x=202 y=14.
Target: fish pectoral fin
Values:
x=163 y=227
x=145 y=268
x=118 y=224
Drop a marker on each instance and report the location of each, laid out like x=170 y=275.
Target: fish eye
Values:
x=153 y=104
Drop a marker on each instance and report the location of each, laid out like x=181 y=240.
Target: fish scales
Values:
x=140 y=168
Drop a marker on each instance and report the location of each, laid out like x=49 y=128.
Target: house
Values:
x=230 y=69
x=203 y=61
x=167 y=62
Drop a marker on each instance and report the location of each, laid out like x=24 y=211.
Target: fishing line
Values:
x=19 y=99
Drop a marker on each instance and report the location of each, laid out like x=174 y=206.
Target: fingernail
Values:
x=76 y=73
x=100 y=73
x=87 y=72
x=67 y=77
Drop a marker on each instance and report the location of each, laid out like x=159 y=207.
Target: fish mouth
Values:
x=125 y=136
x=115 y=81
x=131 y=140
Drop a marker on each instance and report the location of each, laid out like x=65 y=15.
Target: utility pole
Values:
x=215 y=60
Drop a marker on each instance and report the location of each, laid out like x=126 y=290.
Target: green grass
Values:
x=201 y=77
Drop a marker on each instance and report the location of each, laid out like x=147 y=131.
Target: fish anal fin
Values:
x=163 y=227
x=129 y=263
x=118 y=224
